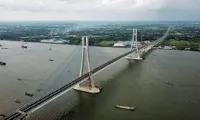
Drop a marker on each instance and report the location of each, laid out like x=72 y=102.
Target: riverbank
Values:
x=181 y=45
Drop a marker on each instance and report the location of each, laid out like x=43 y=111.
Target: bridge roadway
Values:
x=31 y=107
x=28 y=107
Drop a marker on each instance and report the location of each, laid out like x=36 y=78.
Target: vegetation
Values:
x=72 y=32
x=184 y=35
x=106 y=43
x=182 y=45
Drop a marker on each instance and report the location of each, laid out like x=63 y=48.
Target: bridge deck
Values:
x=30 y=106
x=47 y=97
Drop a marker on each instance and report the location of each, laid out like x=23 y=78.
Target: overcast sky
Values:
x=99 y=10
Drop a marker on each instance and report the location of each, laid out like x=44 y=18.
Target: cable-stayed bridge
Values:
x=139 y=51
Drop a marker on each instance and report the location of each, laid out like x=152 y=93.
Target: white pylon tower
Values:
x=83 y=57
x=91 y=87
x=134 y=39
x=134 y=43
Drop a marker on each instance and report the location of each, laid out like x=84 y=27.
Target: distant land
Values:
x=101 y=33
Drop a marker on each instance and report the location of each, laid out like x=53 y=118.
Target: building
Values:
x=174 y=47
x=59 y=41
x=160 y=47
x=126 y=44
x=146 y=42
x=47 y=41
x=167 y=48
x=119 y=44
x=187 y=49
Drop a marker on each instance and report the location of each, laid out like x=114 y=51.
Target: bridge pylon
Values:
x=134 y=44
x=85 y=51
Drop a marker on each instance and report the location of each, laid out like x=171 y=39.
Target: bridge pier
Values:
x=139 y=52
x=134 y=40
x=136 y=57
x=146 y=50
x=91 y=87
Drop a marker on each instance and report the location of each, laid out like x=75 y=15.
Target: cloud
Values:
x=23 y=5
x=179 y=10
x=100 y=9
x=119 y=1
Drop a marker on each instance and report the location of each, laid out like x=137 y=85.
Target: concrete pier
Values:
x=87 y=89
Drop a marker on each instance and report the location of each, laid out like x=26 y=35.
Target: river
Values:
x=140 y=84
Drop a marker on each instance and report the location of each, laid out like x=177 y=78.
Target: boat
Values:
x=28 y=94
x=169 y=83
x=39 y=90
x=2 y=63
x=4 y=48
x=19 y=79
x=23 y=46
x=17 y=101
x=125 y=107
x=51 y=60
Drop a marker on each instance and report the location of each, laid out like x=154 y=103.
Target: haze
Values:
x=99 y=10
